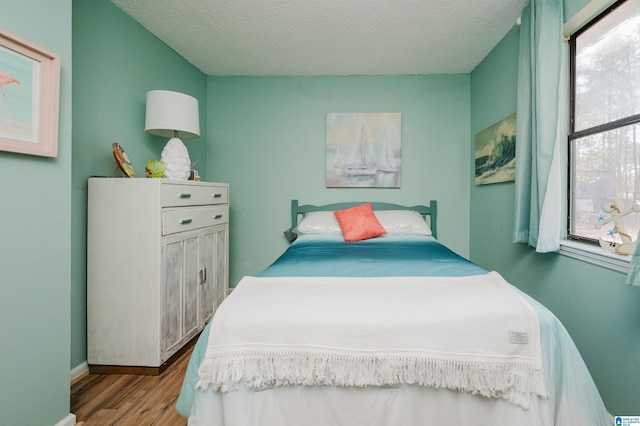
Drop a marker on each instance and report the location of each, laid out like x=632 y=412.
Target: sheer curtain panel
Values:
x=541 y=127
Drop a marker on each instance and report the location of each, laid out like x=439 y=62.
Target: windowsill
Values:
x=595 y=255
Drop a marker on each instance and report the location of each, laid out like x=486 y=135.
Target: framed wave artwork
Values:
x=495 y=152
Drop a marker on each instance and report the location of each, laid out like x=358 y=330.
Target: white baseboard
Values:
x=79 y=370
x=70 y=420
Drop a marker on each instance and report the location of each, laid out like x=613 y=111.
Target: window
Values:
x=604 y=130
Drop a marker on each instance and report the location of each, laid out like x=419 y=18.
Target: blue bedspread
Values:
x=393 y=256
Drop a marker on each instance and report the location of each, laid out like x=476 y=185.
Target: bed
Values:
x=388 y=328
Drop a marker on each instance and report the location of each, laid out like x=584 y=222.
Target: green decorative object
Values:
x=155 y=168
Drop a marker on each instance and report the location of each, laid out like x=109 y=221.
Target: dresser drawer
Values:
x=193 y=195
x=186 y=219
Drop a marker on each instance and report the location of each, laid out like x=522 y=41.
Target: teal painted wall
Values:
x=35 y=245
x=597 y=308
x=267 y=139
x=115 y=62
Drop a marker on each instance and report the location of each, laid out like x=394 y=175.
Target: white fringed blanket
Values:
x=473 y=334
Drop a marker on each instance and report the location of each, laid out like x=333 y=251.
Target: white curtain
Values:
x=541 y=127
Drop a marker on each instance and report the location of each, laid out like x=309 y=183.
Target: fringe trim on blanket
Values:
x=511 y=380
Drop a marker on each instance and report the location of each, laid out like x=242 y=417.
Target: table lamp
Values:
x=174 y=115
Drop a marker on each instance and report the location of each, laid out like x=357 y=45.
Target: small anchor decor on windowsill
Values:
x=627 y=246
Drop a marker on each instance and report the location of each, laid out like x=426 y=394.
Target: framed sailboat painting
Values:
x=364 y=150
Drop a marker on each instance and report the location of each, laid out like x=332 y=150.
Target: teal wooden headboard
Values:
x=431 y=210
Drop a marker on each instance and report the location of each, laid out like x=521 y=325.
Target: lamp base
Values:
x=177 y=164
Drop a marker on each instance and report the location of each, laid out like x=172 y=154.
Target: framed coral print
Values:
x=29 y=97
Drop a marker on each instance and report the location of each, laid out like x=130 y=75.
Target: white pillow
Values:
x=403 y=222
x=393 y=221
x=319 y=223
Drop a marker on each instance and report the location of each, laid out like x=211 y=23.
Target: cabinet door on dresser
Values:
x=179 y=292
x=213 y=273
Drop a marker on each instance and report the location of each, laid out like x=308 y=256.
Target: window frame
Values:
x=575 y=135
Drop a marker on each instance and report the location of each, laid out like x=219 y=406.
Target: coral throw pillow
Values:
x=359 y=223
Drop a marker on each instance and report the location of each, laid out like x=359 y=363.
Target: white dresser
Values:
x=157 y=269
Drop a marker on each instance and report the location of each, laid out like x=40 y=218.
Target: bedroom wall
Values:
x=35 y=246
x=116 y=61
x=267 y=139
x=600 y=312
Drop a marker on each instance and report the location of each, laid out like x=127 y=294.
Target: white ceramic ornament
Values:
x=177 y=164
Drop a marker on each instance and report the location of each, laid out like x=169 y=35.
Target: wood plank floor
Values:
x=120 y=399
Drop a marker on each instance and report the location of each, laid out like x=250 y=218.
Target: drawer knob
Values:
x=185 y=221
x=218 y=216
x=184 y=196
x=217 y=195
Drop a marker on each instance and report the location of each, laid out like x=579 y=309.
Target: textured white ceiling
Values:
x=328 y=37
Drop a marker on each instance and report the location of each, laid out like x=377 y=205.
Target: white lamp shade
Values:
x=169 y=113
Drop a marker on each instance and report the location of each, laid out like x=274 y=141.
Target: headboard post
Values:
x=294 y=213
x=433 y=207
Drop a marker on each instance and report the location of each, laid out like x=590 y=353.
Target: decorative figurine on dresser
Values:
x=157 y=269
